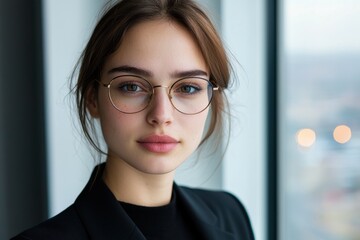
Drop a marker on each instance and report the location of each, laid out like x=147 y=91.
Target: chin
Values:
x=157 y=169
x=158 y=164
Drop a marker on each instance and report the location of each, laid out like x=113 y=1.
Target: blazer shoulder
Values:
x=65 y=226
x=230 y=212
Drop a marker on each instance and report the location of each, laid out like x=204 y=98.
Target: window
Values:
x=319 y=119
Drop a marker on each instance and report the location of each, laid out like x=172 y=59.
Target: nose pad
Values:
x=161 y=108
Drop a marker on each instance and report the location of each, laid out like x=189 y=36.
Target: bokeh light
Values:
x=306 y=137
x=342 y=134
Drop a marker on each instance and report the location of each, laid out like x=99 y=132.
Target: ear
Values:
x=92 y=102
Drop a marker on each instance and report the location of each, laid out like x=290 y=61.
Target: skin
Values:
x=160 y=51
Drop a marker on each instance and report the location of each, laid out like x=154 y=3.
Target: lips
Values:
x=158 y=143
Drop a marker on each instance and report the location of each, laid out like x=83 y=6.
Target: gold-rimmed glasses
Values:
x=132 y=93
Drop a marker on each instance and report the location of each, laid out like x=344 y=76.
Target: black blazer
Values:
x=96 y=214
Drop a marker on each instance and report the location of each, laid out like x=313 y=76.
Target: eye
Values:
x=126 y=85
x=189 y=86
x=130 y=87
x=188 y=89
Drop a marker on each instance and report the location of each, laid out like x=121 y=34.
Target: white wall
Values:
x=244 y=164
x=67 y=27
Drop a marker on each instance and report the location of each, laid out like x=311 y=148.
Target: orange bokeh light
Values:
x=306 y=137
x=342 y=134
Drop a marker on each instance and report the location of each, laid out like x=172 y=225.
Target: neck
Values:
x=132 y=186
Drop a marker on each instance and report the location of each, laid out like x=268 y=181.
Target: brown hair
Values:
x=110 y=30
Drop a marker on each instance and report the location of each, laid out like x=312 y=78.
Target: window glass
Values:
x=319 y=69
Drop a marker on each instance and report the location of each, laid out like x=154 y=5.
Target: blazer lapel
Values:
x=101 y=213
x=202 y=216
x=104 y=218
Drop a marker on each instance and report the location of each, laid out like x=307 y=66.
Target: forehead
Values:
x=158 y=45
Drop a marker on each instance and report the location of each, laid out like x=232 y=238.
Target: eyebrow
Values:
x=147 y=73
x=189 y=73
x=130 y=69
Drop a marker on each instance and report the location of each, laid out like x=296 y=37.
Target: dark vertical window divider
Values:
x=22 y=125
x=272 y=120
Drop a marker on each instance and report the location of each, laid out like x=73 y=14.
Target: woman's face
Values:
x=158 y=139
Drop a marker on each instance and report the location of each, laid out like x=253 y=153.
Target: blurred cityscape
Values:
x=321 y=165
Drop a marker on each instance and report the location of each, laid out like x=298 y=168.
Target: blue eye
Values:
x=130 y=87
x=188 y=89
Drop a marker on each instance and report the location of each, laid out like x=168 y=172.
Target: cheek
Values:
x=115 y=125
x=119 y=130
x=195 y=126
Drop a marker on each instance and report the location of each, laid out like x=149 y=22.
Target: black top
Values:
x=97 y=215
x=164 y=222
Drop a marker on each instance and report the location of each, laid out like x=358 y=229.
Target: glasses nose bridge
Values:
x=162 y=86
x=169 y=97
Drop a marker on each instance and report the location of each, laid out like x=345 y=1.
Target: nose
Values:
x=160 y=110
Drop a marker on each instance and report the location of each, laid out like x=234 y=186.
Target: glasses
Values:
x=132 y=94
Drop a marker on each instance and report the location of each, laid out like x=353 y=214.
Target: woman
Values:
x=148 y=75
